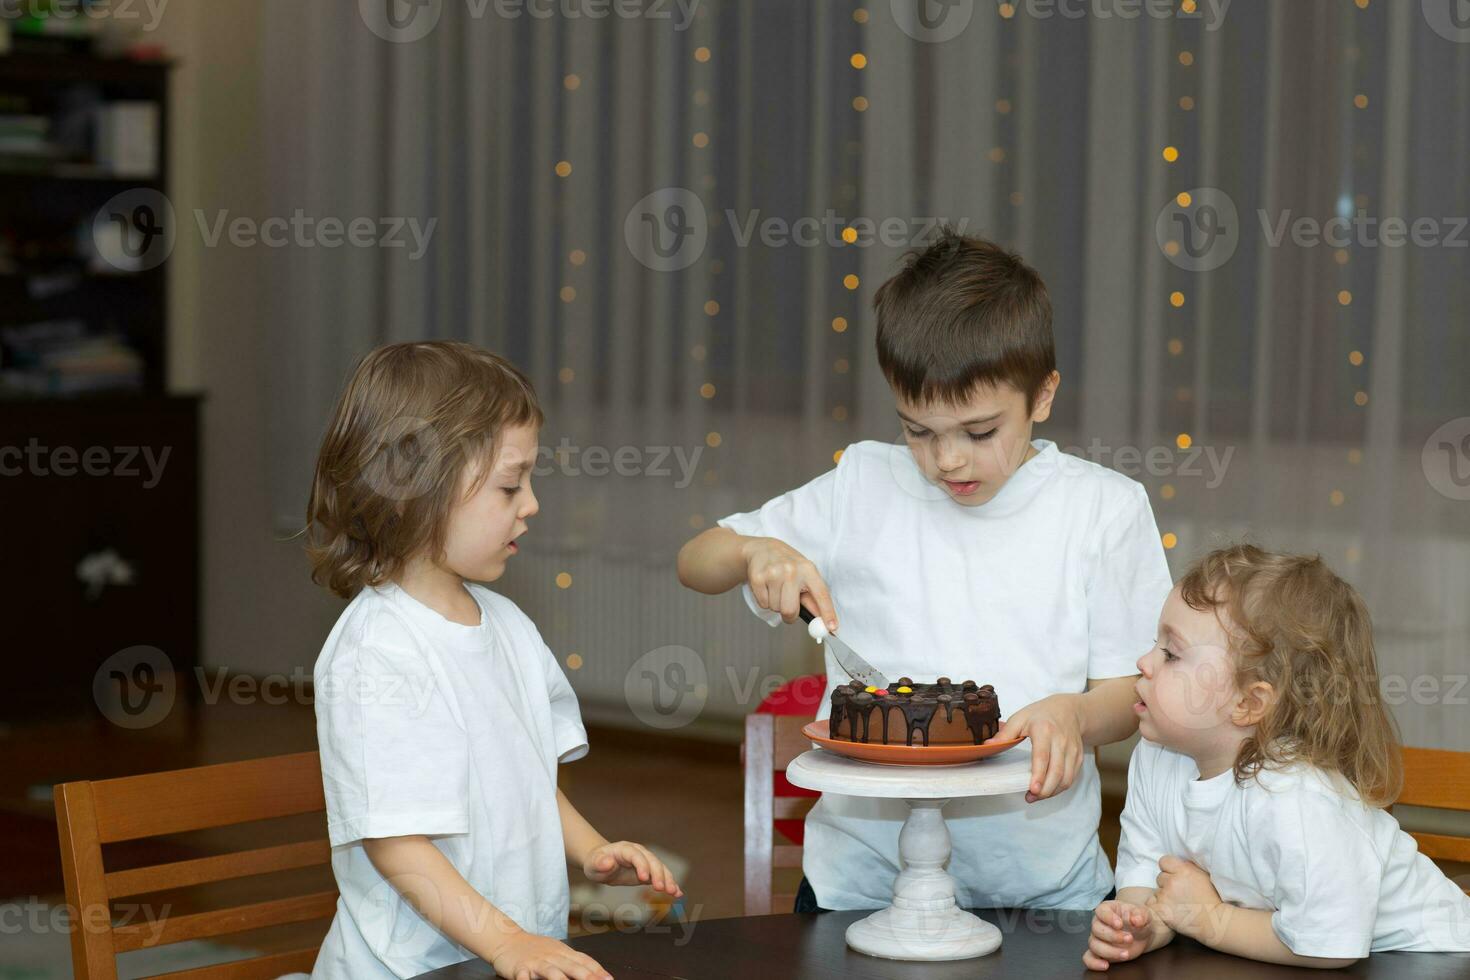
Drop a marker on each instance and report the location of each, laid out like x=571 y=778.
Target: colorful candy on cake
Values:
x=938 y=713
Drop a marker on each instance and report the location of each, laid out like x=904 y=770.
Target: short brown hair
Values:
x=1296 y=625
x=964 y=312
x=411 y=418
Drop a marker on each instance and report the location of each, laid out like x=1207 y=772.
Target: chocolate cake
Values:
x=940 y=713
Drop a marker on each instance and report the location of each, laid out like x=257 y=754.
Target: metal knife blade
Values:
x=848 y=659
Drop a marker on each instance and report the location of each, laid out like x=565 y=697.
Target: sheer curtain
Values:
x=647 y=213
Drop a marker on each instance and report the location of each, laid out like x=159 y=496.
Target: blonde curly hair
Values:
x=412 y=418
x=1296 y=625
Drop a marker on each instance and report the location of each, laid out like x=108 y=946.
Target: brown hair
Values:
x=411 y=418
x=961 y=313
x=1296 y=625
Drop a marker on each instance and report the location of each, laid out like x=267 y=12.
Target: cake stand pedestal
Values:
x=924 y=922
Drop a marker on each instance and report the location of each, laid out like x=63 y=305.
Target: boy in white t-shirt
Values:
x=972 y=552
x=1255 y=821
x=441 y=714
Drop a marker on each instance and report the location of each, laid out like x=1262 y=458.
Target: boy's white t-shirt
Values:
x=1342 y=878
x=1058 y=578
x=431 y=727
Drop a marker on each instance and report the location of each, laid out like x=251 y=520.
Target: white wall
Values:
x=261 y=613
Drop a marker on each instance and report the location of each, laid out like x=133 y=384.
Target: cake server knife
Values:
x=847 y=658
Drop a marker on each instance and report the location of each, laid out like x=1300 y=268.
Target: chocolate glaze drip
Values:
x=854 y=707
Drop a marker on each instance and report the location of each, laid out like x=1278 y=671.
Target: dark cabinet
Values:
x=99 y=503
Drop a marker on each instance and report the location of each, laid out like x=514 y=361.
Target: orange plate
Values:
x=947 y=754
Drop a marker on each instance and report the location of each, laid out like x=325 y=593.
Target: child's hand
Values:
x=528 y=956
x=1054 y=726
x=625 y=863
x=1186 y=898
x=1120 y=931
x=778 y=575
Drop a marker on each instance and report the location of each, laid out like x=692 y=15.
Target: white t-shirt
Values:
x=431 y=727
x=1058 y=578
x=1342 y=877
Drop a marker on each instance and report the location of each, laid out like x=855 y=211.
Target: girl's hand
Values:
x=1186 y=899
x=1054 y=726
x=626 y=863
x=528 y=956
x=1120 y=931
x=779 y=576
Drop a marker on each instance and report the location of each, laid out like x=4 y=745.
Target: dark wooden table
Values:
x=1038 y=944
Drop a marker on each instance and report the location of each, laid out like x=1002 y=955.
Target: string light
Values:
x=1170 y=539
x=1170 y=154
x=1183 y=440
x=1176 y=346
x=839 y=323
x=701 y=54
x=837 y=456
x=567 y=294
x=1176 y=299
x=1344 y=297
x=701 y=140
x=563 y=168
x=858 y=60
x=577 y=256
x=713 y=440
x=571 y=83
x=563 y=580
x=1183 y=199
x=1167 y=491
x=1355 y=358
x=851 y=281
x=574 y=661
x=706 y=390
x=566 y=375
x=711 y=307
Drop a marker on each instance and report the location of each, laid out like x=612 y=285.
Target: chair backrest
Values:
x=1440 y=779
x=771 y=742
x=90 y=814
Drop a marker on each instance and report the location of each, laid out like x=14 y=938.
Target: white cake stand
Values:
x=924 y=922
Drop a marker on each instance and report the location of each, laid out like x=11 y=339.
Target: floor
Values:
x=682 y=795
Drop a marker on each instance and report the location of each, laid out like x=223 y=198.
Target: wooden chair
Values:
x=90 y=814
x=1440 y=779
x=771 y=742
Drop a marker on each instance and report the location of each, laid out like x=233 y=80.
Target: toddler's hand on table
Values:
x=779 y=575
x=1186 y=899
x=528 y=956
x=1054 y=726
x=626 y=863
x=1120 y=931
